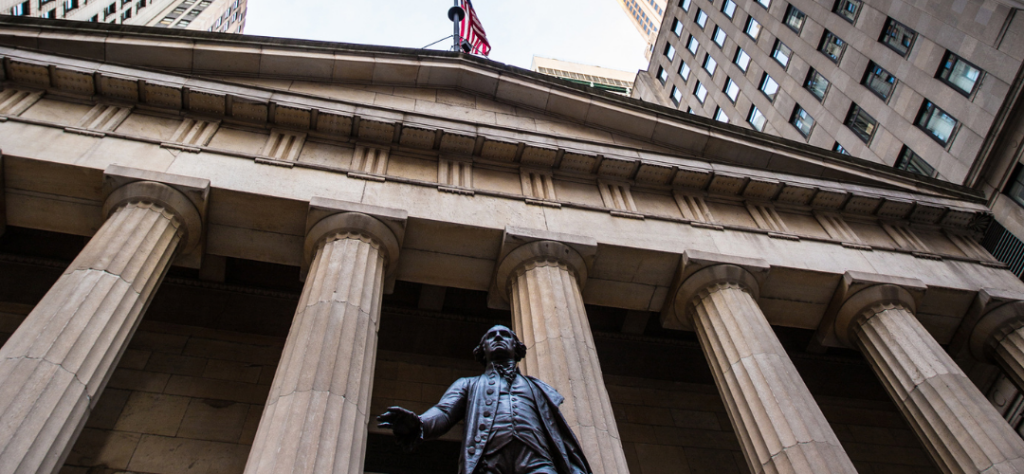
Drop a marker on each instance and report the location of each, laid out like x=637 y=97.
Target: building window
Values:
x=140 y=5
x=879 y=81
x=847 y=9
x=816 y=84
x=795 y=19
x=701 y=92
x=70 y=5
x=662 y=74
x=782 y=53
x=756 y=119
x=685 y=5
x=839 y=149
x=729 y=8
x=50 y=14
x=910 y=161
x=832 y=46
x=719 y=37
x=720 y=115
x=765 y=3
x=936 y=122
x=21 y=9
x=689 y=110
x=732 y=89
x=677 y=95
x=670 y=52
x=109 y=10
x=961 y=75
x=742 y=59
x=753 y=28
x=1015 y=188
x=710 y=65
x=684 y=71
x=769 y=87
x=94 y=19
x=802 y=121
x=692 y=44
x=898 y=36
x=126 y=14
x=702 y=18
x=677 y=27
x=862 y=124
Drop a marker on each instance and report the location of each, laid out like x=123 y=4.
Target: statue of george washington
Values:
x=513 y=425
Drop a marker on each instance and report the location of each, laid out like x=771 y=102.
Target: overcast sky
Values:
x=595 y=32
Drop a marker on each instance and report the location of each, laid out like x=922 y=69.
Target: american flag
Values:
x=472 y=31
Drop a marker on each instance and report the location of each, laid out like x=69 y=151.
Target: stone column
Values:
x=998 y=336
x=316 y=416
x=961 y=430
x=542 y=280
x=778 y=423
x=54 y=367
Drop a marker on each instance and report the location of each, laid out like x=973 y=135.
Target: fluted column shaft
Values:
x=548 y=314
x=957 y=425
x=779 y=425
x=1009 y=354
x=55 y=365
x=316 y=416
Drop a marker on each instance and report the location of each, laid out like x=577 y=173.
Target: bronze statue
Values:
x=513 y=425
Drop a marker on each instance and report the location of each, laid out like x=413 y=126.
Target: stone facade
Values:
x=295 y=235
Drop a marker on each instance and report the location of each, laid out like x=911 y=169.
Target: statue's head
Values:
x=499 y=343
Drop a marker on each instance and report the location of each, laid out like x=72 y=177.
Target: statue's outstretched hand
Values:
x=402 y=422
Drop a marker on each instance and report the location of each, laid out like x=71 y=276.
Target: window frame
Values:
x=685 y=5
x=824 y=40
x=765 y=77
x=746 y=28
x=672 y=95
x=806 y=117
x=891 y=22
x=725 y=6
x=929 y=109
x=838 y=6
x=732 y=97
x=856 y=111
x=682 y=64
x=736 y=58
x=765 y=3
x=776 y=49
x=807 y=82
x=719 y=111
x=714 y=36
x=670 y=52
x=696 y=92
x=869 y=74
x=789 y=12
x=838 y=148
x=750 y=118
x=713 y=61
x=701 y=14
x=662 y=75
x=942 y=68
x=677 y=25
x=911 y=162
x=695 y=43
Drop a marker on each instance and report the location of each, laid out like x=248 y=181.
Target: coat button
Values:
x=487 y=413
x=472 y=450
x=483 y=426
x=489 y=402
x=490 y=391
x=491 y=382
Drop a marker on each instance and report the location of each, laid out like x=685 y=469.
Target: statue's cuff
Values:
x=412 y=440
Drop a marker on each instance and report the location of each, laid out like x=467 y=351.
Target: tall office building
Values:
x=612 y=80
x=646 y=16
x=226 y=16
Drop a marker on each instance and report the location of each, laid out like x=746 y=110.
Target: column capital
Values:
x=853 y=301
x=184 y=196
x=520 y=246
x=384 y=225
x=699 y=271
x=993 y=314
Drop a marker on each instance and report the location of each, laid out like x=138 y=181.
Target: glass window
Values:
x=732 y=89
x=670 y=52
x=862 y=124
x=719 y=37
x=701 y=92
x=753 y=28
x=684 y=70
x=677 y=95
x=1015 y=188
x=692 y=44
x=689 y=110
x=21 y=9
x=936 y=122
x=847 y=9
x=795 y=19
x=960 y=74
x=720 y=115
x=782 y=53
x=832 y=46
x=839 y=149
x=710 y=64
x=742 y=59
x=898 y=36
x=702 y=18
x=677 y=27
x=879 y=81
x=765 y=3
x=756 y=119
x=685 y=5
x=769 y=87
x=70 y=5
x=816 y=84
x=910 y=161
x=662 y=74
x=802 y=121
x=729 y=8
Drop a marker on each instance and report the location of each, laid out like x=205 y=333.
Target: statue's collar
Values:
x=497 y=368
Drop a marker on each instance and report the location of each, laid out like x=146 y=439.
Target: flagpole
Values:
x=456 y=14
